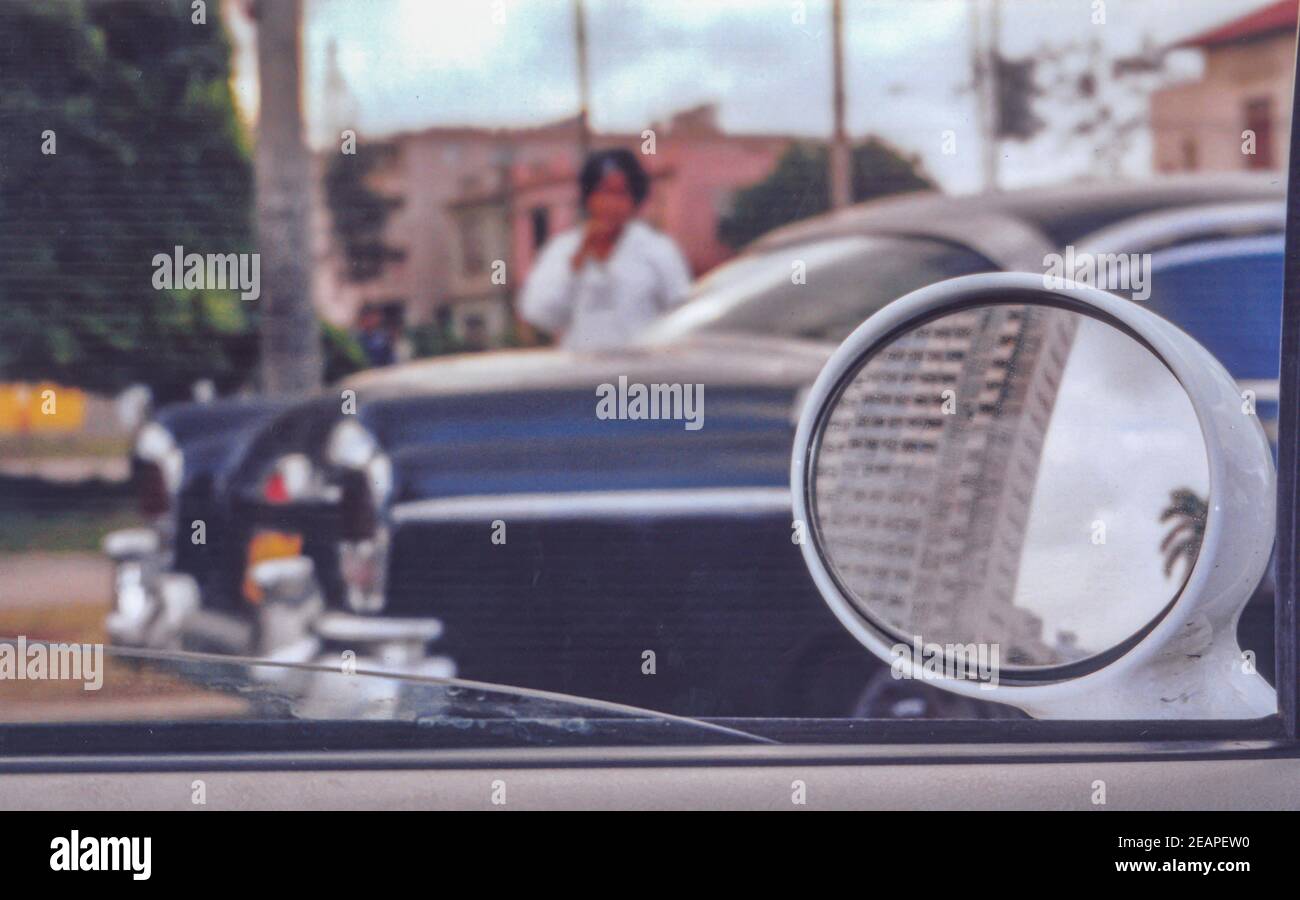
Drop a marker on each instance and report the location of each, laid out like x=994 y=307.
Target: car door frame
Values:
x=1288 y=464
x=1269 y=737
x=866 y=741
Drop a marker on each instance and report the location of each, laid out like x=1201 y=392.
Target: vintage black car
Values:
x=475 y=516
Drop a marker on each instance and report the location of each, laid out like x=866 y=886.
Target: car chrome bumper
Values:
x=383 y=644
x=162 y=610
x=149 y=602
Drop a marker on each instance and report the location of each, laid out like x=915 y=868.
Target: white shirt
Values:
x=605 y=304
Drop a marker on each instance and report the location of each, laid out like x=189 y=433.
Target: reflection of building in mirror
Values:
x=925 y=475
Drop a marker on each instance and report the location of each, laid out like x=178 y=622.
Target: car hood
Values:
x=734 y=360
x=526 y=420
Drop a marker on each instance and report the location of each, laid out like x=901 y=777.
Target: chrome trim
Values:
x=392 y=645
x=292 y=603
x=1266 y=389
x=1004 y=239
x=1160 y=229
x=289 y=579
x=351 y=446
x=665 y=503
x=217 y=629
x=156 y=445
x=138 y=560
x=337 y=626
x=131 y=544
x=371 y=553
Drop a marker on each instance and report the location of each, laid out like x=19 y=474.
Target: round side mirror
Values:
x=1047 y=497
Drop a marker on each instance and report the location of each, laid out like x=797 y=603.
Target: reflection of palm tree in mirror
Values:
x=1187 y=510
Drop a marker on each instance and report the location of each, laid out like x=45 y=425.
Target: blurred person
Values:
x=598 y=285
x=395 y=325
x=375 y=339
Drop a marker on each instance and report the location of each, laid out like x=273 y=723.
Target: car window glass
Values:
x=468 y=350
x=819 y=291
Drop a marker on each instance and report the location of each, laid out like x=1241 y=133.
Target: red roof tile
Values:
x=1280 y=16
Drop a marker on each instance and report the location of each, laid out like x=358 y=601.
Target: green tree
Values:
x=358 y=212
x=341 y=353
x=118 y=141
x=799 y=187
x=1188 y=511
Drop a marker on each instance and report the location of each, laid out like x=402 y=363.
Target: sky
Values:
x=766 y=63
x=1113 y=454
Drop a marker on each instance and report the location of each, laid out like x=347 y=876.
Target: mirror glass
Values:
x=1020 y=476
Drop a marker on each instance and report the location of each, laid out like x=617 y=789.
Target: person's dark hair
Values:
x=600 y=162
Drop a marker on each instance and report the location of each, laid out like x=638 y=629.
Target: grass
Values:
x=60 y=532
x=46 y=517
x=63 y=446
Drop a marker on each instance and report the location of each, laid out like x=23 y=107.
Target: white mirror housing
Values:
x=1187 y=664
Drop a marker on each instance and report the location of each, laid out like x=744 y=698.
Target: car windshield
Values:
x=421 y=712
x=818 y=291
x=478 y=373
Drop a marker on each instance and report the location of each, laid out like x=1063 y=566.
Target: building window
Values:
x=473 y=253
x=1259 y=119
x=541 y=219
x=1191 y=159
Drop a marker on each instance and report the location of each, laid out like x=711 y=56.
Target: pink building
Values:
x=478 y=203
x=426 y=170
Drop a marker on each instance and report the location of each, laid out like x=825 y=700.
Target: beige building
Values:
x=476 y=204
x=427 y=170
x=480 y=281
x=924 y=510
x=1242 y=102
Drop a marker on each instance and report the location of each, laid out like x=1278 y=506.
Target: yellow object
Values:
x=13 y=408
x=44 y=408
x=268 y=545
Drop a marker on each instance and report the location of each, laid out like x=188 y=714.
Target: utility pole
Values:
x=584 y=88
x=841 y=174
x=290 y=339
x=984 y=65
x=505 y=161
